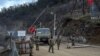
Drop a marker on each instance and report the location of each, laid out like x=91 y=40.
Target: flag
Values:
x=31 y=29
x=90 y=2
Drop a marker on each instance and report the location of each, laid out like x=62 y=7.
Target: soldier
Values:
x=31 y=48
x=68 y=43
x=31 y=45
x=73 y=40
x=51 y=44
x=37 y=43
x=58 y=41
x=32 y=41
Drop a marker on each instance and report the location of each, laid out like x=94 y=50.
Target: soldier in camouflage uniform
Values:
x=32 y=40
x=37 y=43
x=68 y=42
x=51 y=44
x=58 y=41
x=73 y=40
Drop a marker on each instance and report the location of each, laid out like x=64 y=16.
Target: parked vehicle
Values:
x=43 y=34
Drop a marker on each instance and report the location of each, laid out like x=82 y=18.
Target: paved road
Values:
x=88 y=51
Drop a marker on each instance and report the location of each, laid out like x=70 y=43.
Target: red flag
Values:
x=90 y=2
x=31 y=29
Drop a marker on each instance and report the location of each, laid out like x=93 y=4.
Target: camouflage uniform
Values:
x=68 y=43
x=73 y=40
x=58 y=42
x=51 y=45
x=32 y=41
x=31 y=45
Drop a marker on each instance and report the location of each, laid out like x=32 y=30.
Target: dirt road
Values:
x=88 y=51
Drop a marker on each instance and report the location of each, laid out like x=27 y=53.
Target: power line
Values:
x=40 y=15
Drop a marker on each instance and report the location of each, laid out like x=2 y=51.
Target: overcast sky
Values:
x=8 y=3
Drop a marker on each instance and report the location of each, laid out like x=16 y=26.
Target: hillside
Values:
x=23 y=16
x=26 y=12
x=29 y=12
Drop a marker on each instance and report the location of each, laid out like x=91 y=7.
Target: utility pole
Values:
x=54 y=24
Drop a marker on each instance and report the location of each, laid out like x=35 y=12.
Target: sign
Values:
x=31 y=29
x=22 y=33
